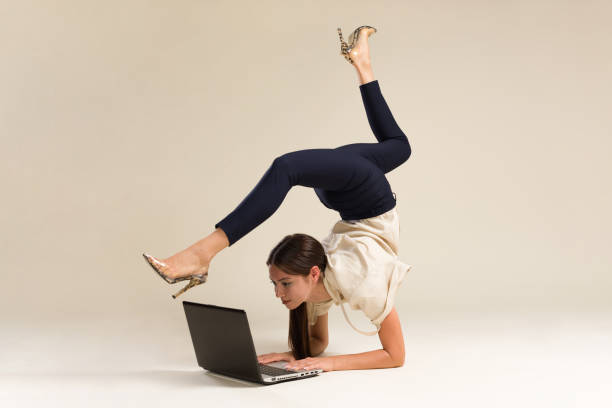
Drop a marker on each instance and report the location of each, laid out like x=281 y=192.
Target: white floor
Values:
x=546 y=360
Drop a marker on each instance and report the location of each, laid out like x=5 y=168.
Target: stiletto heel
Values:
x=345 y=49
x=159 y=267
x=195 y=280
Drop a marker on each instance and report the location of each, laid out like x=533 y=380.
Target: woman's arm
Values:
x=319 y=336
x=391 y=355
x=316 y=346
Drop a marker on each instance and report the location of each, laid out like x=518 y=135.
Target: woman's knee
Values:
x=281 y=162
x=407 y=149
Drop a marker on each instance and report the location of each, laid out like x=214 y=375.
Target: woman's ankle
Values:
x=219 y=241
x=365 y=73
x=207 y=248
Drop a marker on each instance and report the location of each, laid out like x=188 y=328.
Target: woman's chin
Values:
x=289 y=305
x=292 y=305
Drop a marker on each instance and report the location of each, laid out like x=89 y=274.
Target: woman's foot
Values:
x=194 y=260
x=360 y=53
x=185 y=263
x=357 y=51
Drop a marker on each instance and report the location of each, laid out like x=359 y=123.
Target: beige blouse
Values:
x=363 y=268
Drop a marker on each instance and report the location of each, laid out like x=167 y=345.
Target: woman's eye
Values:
x=285 y=284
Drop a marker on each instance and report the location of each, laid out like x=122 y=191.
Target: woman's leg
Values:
x=392 y=148
x=330 y=169
x=327 y=169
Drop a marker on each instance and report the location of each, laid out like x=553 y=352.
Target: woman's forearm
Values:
x=363 y=361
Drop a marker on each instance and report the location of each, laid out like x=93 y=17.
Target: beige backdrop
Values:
x=136 y=126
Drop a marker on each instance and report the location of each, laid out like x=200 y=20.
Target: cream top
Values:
x=363 y=268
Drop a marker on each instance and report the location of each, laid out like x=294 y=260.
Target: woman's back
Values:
x=363 y=267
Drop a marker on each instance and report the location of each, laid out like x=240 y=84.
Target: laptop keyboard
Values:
x=270 y=370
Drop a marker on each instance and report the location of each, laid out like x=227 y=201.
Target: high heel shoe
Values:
x=158 y=267
x=345 y=49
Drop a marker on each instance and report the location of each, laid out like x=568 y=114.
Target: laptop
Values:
x=223 y=344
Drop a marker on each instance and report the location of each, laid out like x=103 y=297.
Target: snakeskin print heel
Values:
x=345 y=49
x=159 y=267
x=195 y=281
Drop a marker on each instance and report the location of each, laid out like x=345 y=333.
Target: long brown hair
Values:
x=296 y=254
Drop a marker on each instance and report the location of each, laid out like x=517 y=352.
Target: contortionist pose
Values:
x=357 y=263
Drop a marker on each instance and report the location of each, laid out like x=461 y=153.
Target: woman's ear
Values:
x=315 y=272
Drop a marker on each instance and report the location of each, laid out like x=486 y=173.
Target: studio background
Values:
x=135 y=126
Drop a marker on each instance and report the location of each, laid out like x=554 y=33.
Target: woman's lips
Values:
x=284 y=303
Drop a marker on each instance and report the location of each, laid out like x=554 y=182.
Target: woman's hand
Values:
x=310 y=363
x=271 y=357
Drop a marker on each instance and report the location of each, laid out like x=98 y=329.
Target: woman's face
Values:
x=294 y=289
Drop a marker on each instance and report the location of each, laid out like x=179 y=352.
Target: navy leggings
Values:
x=349 y=179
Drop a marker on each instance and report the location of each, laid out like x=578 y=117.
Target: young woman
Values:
x=357 y=263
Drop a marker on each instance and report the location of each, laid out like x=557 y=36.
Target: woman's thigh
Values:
x=386 y=155
x=327 y=169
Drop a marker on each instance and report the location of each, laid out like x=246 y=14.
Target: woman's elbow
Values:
x=398 y=361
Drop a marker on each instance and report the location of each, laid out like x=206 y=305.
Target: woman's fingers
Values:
x=264 y=358
x=271 y=357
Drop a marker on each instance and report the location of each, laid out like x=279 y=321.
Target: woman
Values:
x=357 y=263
